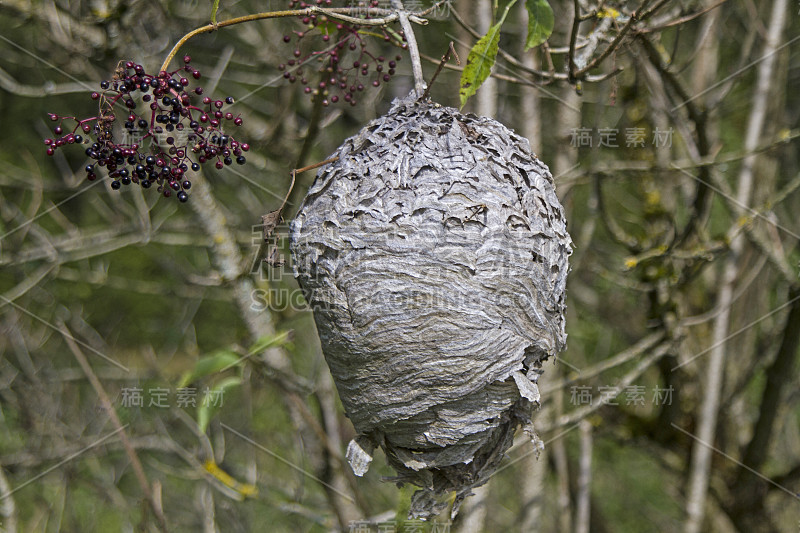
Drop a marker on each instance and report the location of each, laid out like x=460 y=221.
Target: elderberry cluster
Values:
x=339 y=79
x=168 y=129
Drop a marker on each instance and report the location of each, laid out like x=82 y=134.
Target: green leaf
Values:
x=481 y=59
x=206 y=410
x=540 y=22
x=212 y=364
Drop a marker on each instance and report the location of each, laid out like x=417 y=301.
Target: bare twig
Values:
x=573 y=37
x=105 y=402
x=546 y=76
x=445 y=58
x=614 y=361
x=559 y=450
x=11 y=85
x=297 y=171
x=229 y=261
x=701 y=203
x=513 y=79
x=678 y=21
x=343 y=14
x=583 y=496
x=709 y=409
x=634 y=17
x=579 y=414
x=614 y=229
x=413 y=50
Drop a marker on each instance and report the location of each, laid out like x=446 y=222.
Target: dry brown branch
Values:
x=579 y=414
x=130 y=451
x=634 y=351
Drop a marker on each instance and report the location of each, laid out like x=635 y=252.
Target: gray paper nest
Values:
x=434 y=254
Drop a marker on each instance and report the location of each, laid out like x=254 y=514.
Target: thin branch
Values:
x=652 y=11
x=614 y=229
x=579 y=414
x=519 y=81
x=583 y=496
x=634 y=17
x=559 y=450
x=11 y=85
x=678 y=21
x=413 y=50
x=229 y=261
x=547 y=76
x=457 y=68
x=573 y=37
x=709 y=409
x=297 y=171
x=105 y=402
x=28 y=283
x=702 y=200
x=614 y=361
x=336 y=13
x=445 y=58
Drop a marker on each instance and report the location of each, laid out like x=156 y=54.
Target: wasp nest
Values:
x=434 y=254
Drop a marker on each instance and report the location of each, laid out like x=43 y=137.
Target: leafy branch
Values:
x=483 y=55
x=383 y=18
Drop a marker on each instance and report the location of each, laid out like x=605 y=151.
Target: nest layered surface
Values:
x=434 y=254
